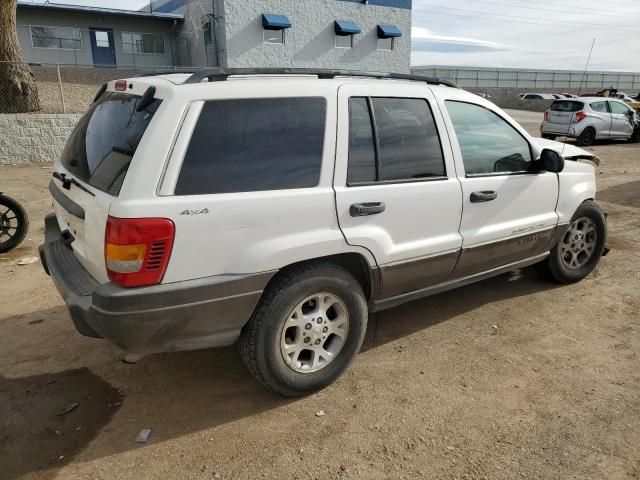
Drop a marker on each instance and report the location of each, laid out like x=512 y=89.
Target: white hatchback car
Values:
x=196 y=210
x=589 y=119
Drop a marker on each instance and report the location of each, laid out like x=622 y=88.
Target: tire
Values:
x=14 y=223
x=556 y=266
x=549 y=137
x=587 y=137
x=264 y=339
x=635 y=137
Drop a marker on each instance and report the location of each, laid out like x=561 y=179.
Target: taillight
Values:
x=546 y=116
x=137 y=250
x=579 y=117
x=120 y=85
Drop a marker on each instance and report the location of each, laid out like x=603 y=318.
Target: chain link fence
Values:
x=70 y=88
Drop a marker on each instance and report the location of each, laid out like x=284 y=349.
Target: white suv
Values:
x=193 y=211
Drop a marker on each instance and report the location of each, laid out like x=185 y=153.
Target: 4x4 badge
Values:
x=194 y=212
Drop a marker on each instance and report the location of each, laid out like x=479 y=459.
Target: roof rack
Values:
x=166 y=71
x=221 y=74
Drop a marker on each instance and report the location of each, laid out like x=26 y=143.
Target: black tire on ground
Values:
x=549 y=137
x=554 y=269
x=635 y=137
x=261 y=336
x=587 y=137
x=16 y=215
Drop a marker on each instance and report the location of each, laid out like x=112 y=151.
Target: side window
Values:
x=599 y=107
x=362 y=150
x=254 y=145
x=619 y=108
x=408 y=142
x=488 y=143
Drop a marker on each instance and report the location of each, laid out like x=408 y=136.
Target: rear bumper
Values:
x=561 y=130
x=202 y=313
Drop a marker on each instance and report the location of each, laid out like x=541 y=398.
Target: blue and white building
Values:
x=350 y=34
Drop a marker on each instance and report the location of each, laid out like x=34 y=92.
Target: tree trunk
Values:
x=18 y=89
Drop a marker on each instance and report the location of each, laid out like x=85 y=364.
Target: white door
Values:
x=621 y=120
x=508 y=212
x=396 y=189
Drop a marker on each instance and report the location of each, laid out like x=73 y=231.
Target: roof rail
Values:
x=165 y=71
x=221 y=74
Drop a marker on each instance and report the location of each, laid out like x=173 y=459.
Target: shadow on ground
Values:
x=34 y=435
x=626 y=194
x=179 y=393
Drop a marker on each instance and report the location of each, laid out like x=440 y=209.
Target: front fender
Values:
x=577 y=183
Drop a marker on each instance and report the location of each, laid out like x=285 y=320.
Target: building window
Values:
x=65 y=38
x=344 y=41
x=147 y=43
x=274 y=36
x=102 y=39
x=208 y=38
x=385 y=43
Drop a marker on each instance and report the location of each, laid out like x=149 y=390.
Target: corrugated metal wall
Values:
x=471 y=77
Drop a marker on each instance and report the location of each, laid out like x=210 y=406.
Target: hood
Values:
x=568 y=151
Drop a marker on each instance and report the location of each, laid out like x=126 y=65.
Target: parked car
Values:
x=536 y=96
x=278 y=211
x=589 y=119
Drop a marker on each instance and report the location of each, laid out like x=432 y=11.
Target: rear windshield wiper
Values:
x=67 y=182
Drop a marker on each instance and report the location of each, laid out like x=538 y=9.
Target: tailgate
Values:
x=562 y=112
x=90 y=172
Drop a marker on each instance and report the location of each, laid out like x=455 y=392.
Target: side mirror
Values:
x=550 y=161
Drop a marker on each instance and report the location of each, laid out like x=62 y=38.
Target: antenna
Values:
x=584 y=74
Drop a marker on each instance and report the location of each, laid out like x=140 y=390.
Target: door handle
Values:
x=486 y=196
x=365 y=209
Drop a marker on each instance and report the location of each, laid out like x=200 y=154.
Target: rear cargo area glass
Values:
x=103 y=143
x=567 y=106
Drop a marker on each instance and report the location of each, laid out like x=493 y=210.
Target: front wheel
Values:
x=306 y=330
x=579 y=250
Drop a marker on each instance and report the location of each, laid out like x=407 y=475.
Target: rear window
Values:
x=249 y=145
x=105 y=139
x=567 y=106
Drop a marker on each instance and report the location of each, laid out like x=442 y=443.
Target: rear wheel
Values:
x=635 y=137
x=548 y=137
x=14 y=223
x=307 y=329
x=579 y=250
x=587 y=137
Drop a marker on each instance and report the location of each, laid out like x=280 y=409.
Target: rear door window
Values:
x=567 y=106
x=599 y=107
x=105 y=139
x=248 y=145
x=408 y=145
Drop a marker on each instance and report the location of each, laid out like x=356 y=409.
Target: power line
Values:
x=556 y=23
x=591 y=11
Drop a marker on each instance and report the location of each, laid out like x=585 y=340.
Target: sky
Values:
x=554 y=34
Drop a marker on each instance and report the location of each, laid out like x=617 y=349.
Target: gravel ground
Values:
x=509 y=378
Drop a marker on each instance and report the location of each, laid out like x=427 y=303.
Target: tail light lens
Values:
x=137 y=250
x=579 y=117
x=546 y=116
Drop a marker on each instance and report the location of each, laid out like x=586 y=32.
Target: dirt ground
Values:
x=509 y=378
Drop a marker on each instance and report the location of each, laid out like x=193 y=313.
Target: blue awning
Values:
x=388 y=31
x=347 y=27
x=271 y=21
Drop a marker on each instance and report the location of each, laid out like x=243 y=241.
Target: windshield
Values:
x=567 y=106
x=103 y=143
